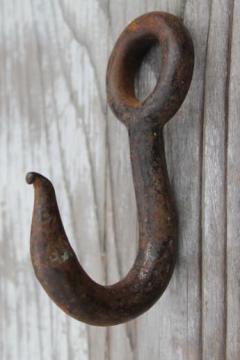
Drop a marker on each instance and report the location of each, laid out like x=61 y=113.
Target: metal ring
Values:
x=176 y=68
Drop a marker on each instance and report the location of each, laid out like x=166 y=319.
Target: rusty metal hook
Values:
x=55 y=264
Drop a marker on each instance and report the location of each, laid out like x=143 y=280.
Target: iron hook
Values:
x=55 y=263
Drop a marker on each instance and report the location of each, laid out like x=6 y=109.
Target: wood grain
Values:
x=54 y=119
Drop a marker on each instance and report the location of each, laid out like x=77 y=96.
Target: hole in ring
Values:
x=139 y=69
x=147 y=74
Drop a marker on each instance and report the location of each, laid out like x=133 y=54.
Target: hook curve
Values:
x=55 y=263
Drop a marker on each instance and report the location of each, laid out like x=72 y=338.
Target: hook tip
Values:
x=38 y=180
x=30 y=177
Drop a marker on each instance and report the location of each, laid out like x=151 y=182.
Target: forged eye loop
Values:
x=175 y=71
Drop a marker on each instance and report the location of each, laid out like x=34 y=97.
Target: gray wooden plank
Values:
x=214 y=182
x=48 y=90
x=172 y=328
x=233 y=201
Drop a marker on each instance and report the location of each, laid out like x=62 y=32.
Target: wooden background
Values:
x=54 y=119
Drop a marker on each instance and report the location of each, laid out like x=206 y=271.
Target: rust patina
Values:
x=54 y=261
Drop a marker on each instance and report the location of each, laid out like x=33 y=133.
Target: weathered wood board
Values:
x=54 y=119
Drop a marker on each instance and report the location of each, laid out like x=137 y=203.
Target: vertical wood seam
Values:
x=201 y=189
x=227 y=93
